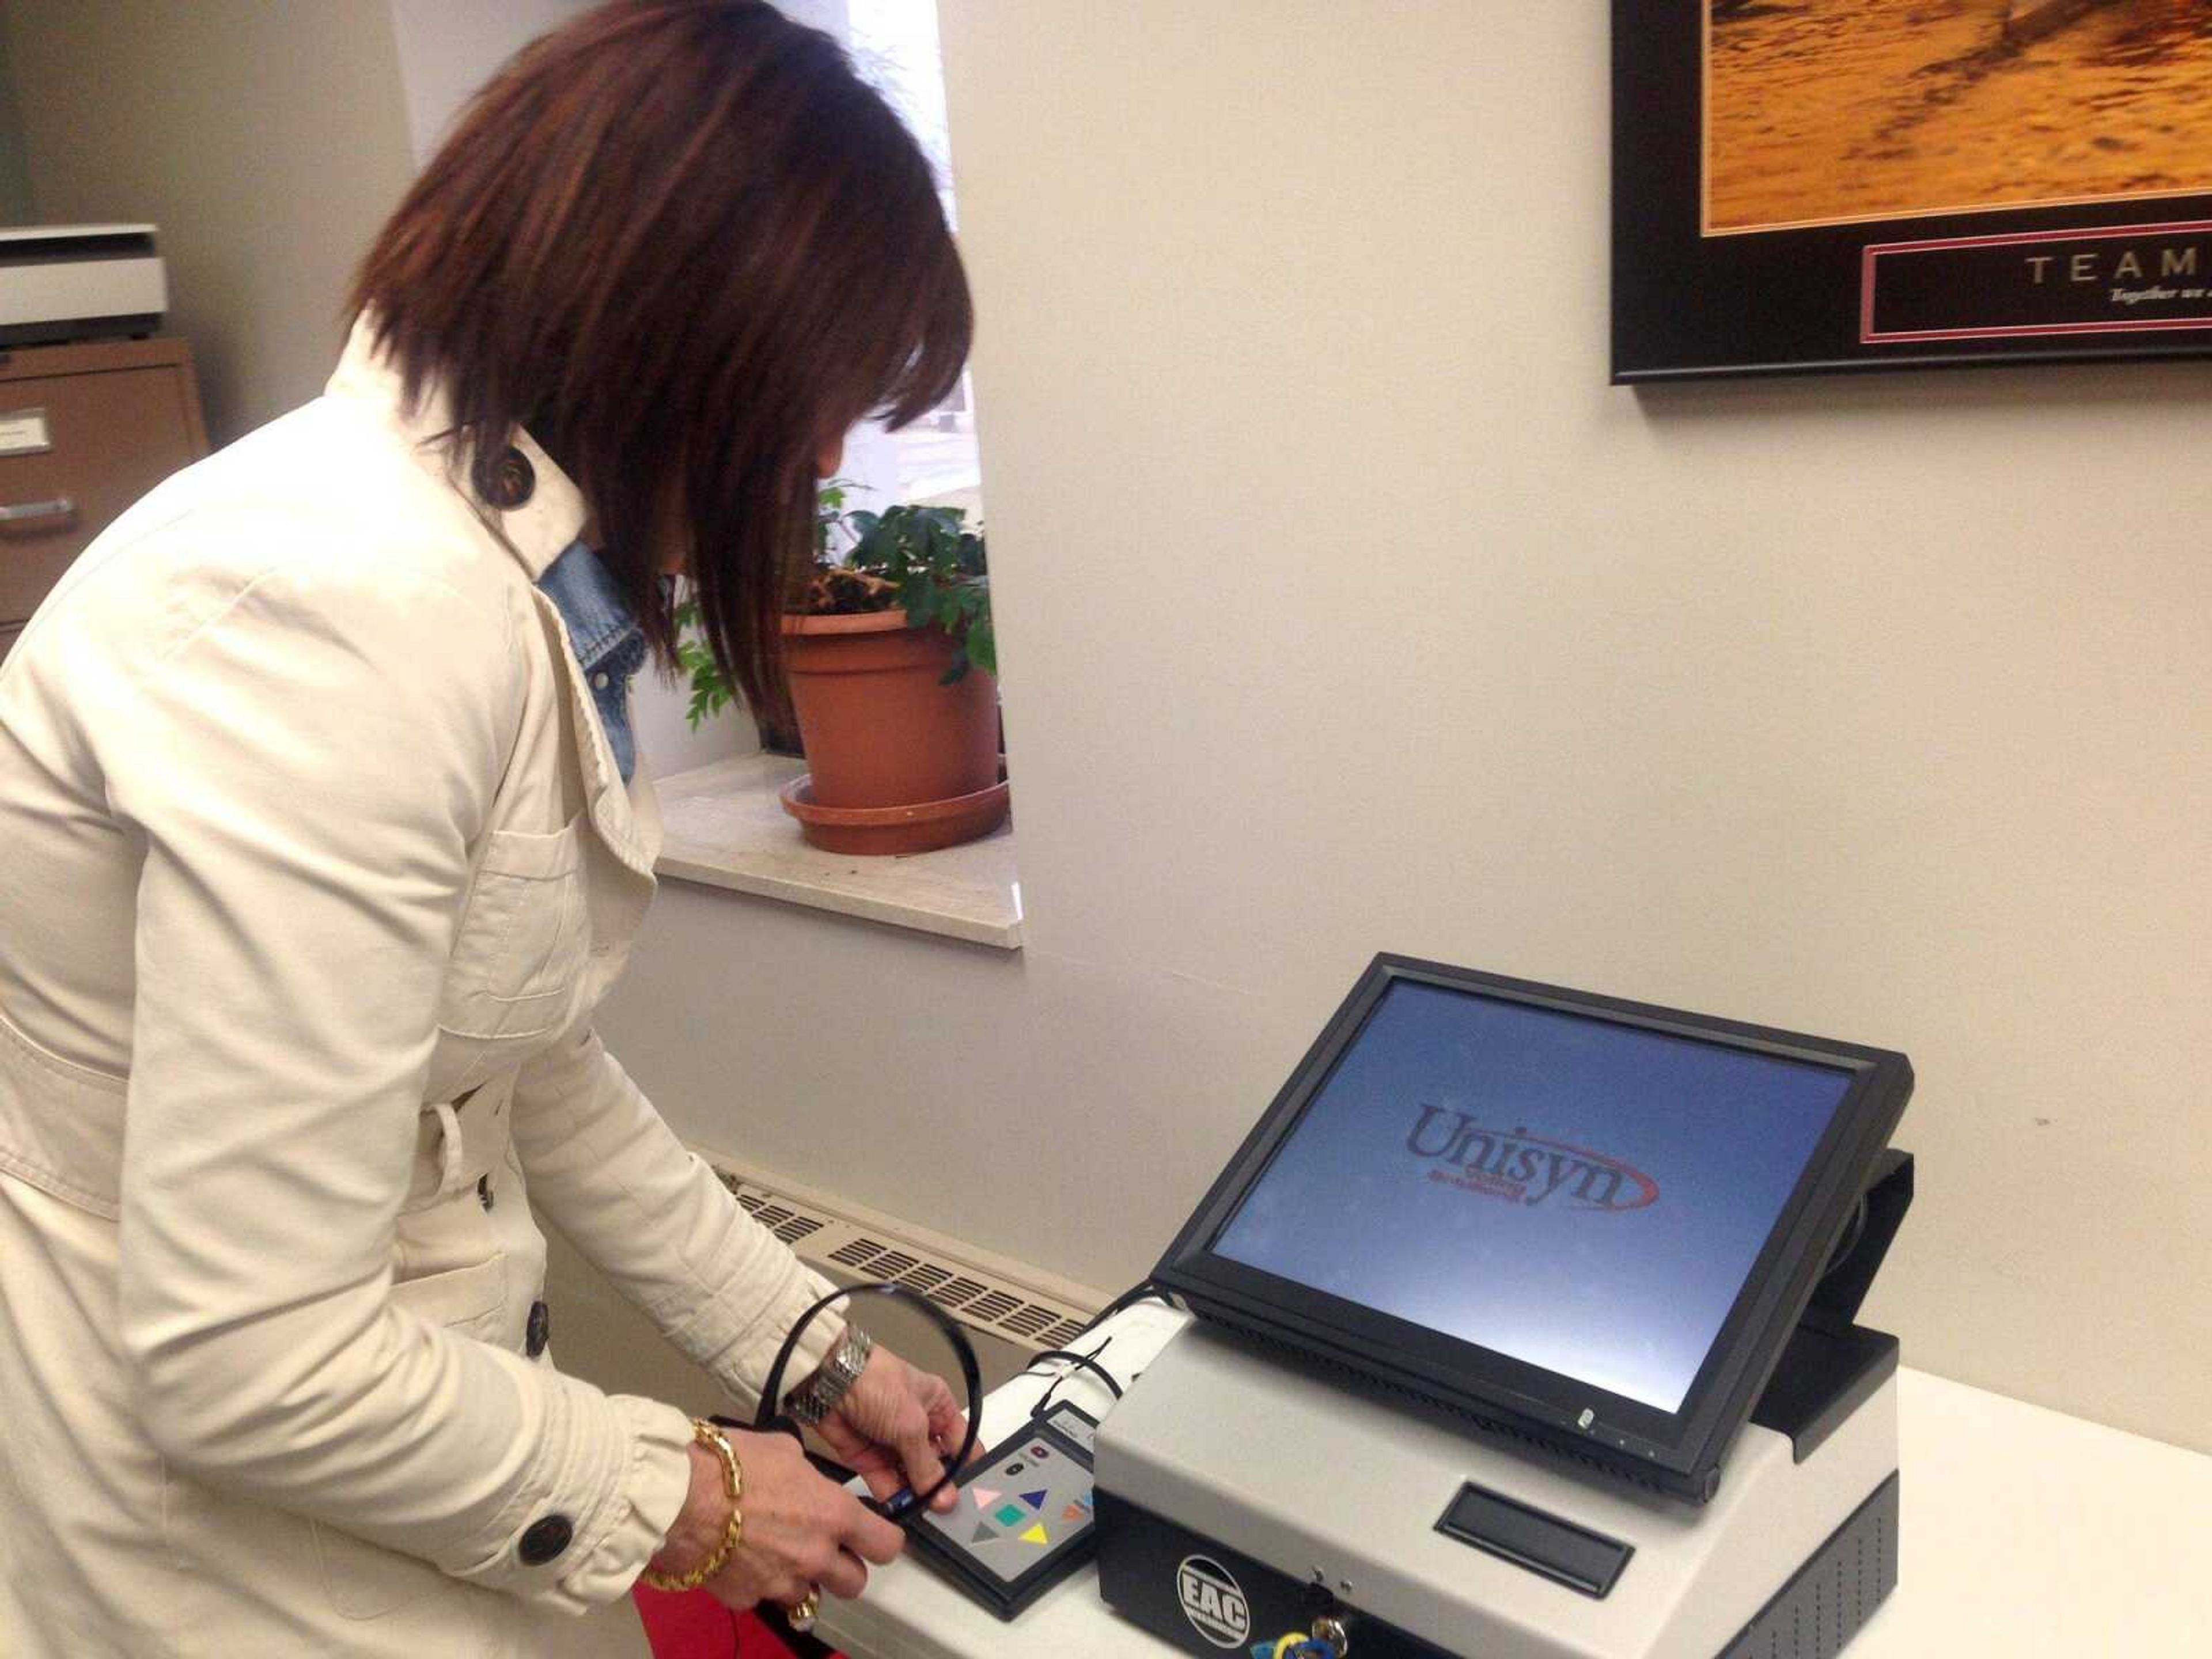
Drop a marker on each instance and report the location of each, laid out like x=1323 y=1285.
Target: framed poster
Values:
x=1825 y=185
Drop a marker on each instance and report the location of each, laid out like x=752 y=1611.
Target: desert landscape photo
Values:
x=1822 y=111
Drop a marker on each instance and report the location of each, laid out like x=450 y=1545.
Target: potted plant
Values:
x=892 y=665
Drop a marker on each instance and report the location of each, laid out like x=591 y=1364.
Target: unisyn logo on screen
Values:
x=1524 y=1169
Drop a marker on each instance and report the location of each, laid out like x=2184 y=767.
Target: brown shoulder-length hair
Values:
x=682 y=245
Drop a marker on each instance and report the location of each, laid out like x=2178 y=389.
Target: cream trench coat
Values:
x=314 y=864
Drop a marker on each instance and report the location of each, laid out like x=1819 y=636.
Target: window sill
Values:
x=723 y=827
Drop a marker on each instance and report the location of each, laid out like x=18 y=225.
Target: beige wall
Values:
x=1346 y=608
x=17 y=204
x=268 y=140
x=448 y=48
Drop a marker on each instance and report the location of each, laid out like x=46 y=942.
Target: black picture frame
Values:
x=1678 y=1452
x=2122 y=278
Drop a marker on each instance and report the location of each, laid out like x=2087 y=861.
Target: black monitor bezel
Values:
x=1680 y=1451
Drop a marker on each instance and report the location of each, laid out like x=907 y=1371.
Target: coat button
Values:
x=539 y=1331
x=544 y=1540
x=484 y=1191
x=513 y=481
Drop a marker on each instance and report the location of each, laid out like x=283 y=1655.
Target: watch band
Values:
x=820 y=1395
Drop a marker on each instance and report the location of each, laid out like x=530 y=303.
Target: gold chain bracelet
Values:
x=733 y=1482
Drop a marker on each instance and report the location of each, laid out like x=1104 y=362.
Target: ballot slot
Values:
x=1572 y=1555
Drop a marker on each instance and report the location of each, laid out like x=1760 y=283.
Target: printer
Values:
x=1525 y=1329
x=79 y=282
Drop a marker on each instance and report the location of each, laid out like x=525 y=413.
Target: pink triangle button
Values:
x=984 y=1497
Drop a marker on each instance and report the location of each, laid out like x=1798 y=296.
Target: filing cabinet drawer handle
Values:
x=60 y=507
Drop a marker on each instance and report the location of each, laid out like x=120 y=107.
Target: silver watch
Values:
x=817 y=1397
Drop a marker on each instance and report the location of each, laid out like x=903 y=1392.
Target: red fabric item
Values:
x=697 y=1627
x=693 y=1626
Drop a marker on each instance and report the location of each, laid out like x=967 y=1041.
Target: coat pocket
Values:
x=517 y=966
x=469 y=1300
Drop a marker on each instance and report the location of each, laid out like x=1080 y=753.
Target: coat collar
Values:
x=537 y=528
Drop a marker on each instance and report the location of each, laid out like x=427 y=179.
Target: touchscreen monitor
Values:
x=1533 y=1203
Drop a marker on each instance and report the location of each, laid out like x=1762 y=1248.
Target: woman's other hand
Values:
x=800 y=1530
x=894 y=1427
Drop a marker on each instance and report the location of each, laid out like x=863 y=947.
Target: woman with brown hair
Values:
x=325 y=837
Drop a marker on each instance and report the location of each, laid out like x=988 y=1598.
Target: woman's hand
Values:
x=800 y=1529
x=894 y=1428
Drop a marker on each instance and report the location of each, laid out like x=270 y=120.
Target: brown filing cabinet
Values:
x=85 y=430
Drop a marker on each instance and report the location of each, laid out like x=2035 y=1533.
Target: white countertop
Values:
x=2023 y=1532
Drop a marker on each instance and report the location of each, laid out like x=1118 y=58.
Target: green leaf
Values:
x=919 y=595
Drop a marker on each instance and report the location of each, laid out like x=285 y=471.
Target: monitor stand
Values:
x=1832 y=1365
x=1241 y=1497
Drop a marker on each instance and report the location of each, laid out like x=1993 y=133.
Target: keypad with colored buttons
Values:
x=1025 y=1516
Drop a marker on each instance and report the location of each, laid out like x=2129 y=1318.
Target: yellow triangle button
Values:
x=1035 y=1536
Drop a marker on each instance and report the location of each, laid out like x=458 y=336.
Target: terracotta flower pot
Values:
x=878 y=729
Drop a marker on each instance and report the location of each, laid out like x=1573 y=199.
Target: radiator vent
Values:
x=994 y=1307
x=787 y=1223
x=984 y=1296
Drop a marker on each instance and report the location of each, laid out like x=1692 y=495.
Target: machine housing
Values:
x=1323 y=1457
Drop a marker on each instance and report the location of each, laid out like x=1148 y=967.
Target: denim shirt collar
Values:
x=581 y=587
x=609 y=644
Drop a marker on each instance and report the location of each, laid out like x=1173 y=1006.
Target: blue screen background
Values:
x=1627 y=1299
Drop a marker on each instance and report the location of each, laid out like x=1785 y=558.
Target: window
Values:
x=895 y=44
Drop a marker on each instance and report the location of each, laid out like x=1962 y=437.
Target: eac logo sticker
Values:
x=1213 y=1602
